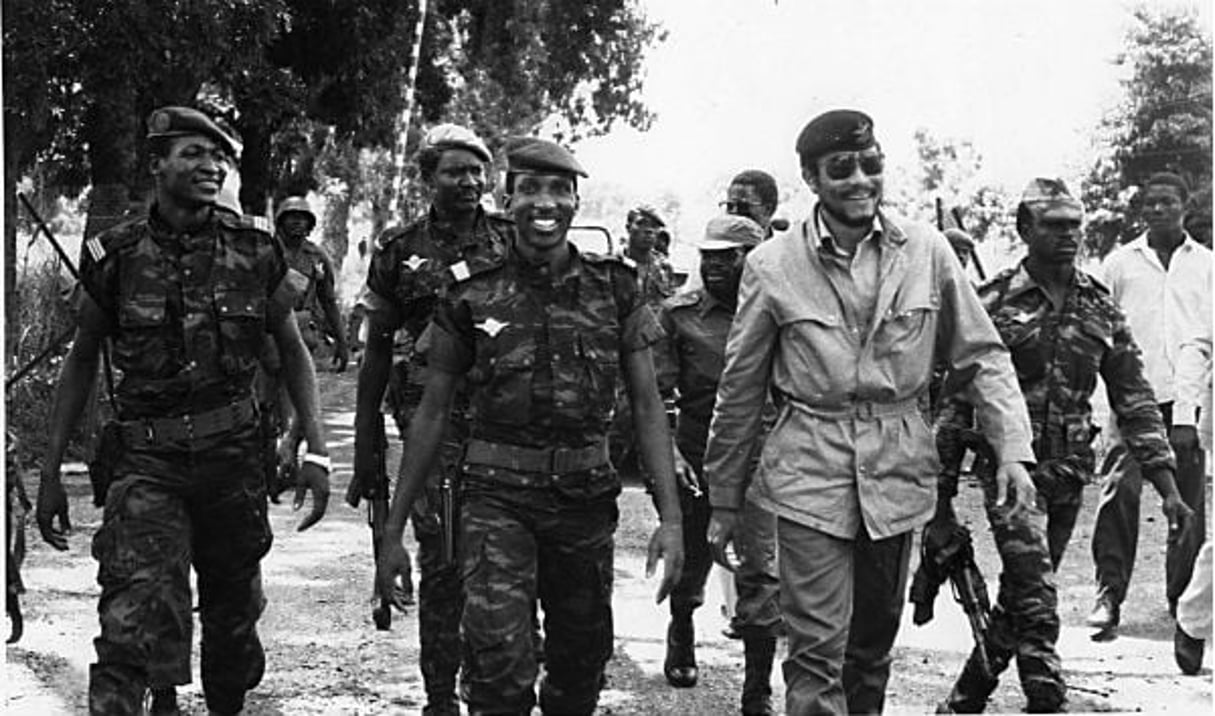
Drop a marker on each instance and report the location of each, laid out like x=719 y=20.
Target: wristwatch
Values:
x=321 y=461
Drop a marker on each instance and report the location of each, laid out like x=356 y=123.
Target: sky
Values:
x=1026 y=81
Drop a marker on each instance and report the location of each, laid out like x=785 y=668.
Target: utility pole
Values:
x=399 y=153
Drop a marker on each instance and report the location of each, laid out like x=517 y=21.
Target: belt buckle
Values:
x=560 y=461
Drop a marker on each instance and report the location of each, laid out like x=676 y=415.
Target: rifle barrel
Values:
x=51 y=237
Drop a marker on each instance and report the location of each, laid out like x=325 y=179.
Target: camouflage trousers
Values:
x=553 y=543
x=440 y=593
x=1025 y=618
x=168 y=509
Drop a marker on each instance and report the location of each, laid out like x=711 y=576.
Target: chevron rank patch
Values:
x=96 y=250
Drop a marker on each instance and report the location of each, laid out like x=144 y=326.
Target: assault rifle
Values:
x=374 y=488
x=954 y=561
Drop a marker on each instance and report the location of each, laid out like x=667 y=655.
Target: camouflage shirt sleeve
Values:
x=638 y=327
x=94 y=297
x=666 y=353
x=955 y=416
x=382 y=278
x=452 y=346
x=1132 y=400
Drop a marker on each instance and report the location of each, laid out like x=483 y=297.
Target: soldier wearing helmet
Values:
x=317 y=310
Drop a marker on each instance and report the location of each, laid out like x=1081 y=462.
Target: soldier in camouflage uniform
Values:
x=187 y=295
x=1063 y=331
x=413 y=269
x=541 y=336
x=690 y=361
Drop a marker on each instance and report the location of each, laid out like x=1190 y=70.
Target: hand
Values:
x=1184 y=438
x=684 y=476
x=1014 y=475
x=666 y=544
x=315 y=479
x=720 y=534
x=1177 y=512
x=392 y=568
x=341 y=356
x=52 y=503
x=939 y=531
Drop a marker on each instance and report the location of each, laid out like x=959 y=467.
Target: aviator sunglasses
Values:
x=842 y=166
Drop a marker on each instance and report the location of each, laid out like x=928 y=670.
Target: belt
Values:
x=152 y=431
x=553 y=461
x=862 y=410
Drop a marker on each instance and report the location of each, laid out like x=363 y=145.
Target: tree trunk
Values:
x=110 y=128
x=335 y=226
x=10 y=242
x=255 y=169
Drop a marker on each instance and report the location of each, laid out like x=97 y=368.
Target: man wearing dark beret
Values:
x=840 y=320
x=415 y=265
x=186 y=296
x=539 y=338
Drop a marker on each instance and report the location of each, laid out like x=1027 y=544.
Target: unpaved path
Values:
x=325 y=657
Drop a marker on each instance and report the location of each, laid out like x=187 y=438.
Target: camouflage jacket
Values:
x=1058 y=355
x=656 y=280
x=542 y=353
x=414 y=267
x=313 y=264
x=187 y=313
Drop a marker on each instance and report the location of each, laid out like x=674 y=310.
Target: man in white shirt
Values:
x=1162 y=280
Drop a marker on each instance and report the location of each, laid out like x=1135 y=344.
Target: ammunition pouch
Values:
x=105 y=459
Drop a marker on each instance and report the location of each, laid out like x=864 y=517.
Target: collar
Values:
x=708 y=302
x=1140 y=243
x=1021 y=282
x=166 y=235
x=540 y=272
x=882 y=231
x=442 y=229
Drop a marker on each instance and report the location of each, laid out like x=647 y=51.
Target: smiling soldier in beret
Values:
x=187 y=296
x=841 y=319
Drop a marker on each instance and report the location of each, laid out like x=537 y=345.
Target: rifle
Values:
x=374 y=488
x=954 y=561
x=974 y=254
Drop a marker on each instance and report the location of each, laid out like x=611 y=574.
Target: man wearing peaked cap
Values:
x=843 y=468
x=1063 y=331
x=689 y=361
x=1162 y=282
x=188 y=297
x=541 y=340
x=415 y=266
x=169 y=122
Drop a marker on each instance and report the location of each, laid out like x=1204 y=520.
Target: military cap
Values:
x=182 y=121
x=453 y=136
x=1043 y=193
x=647 y=211
x=959 y=240
x=295 y=203
x=730 y=231
x=532 y=154
x=838 y=130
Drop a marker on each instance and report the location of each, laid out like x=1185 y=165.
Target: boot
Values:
x=680 y=665
x=970 y=692
x=163 y=702
x=757 y=687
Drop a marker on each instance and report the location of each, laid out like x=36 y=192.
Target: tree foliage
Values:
x=1163 y=123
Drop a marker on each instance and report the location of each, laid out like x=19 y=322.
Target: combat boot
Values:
x=680 y=665
x=1105 y=615
x=970 y=692
x=757 y=687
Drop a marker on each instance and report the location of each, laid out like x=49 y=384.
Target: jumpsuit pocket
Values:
x=242 y=327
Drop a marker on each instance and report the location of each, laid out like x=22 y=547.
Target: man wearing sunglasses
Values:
x=841 y=320
x=753 y=194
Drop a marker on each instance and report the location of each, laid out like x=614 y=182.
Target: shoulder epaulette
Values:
x=683 y=300
x=597 y=258
x=116 y=237
x=1101 y=287
x=253 y=222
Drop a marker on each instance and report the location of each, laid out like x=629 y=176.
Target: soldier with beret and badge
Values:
x=840 y=320
x=540 y=338
x=185 y=296
x=689 y=362
x=1063 y=330
x=414 y=269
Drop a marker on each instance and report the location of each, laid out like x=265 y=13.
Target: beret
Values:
x=838 y=130
x=647 y=211
x=532 y=154
x=729 y=232
x=182 y=121
x=1043 y=193
x=449 y=136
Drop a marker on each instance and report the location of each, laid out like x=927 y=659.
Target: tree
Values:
x=1162 y=124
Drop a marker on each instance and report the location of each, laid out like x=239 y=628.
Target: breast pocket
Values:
x=506 y=365
x=601 y=369
x=241 y=315
x=139 y=345
x=909 y=327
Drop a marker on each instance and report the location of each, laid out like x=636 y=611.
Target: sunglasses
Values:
x=842 y=166
x=737 y=207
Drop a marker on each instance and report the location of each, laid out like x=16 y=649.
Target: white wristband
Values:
x=321 y=461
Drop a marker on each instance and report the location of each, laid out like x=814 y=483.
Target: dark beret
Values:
x=532 y=154
x=839 y=130
x=447 y=136
x=647 y=211
x=182 y=121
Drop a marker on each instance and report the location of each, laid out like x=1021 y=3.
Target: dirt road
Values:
x=325 y=657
